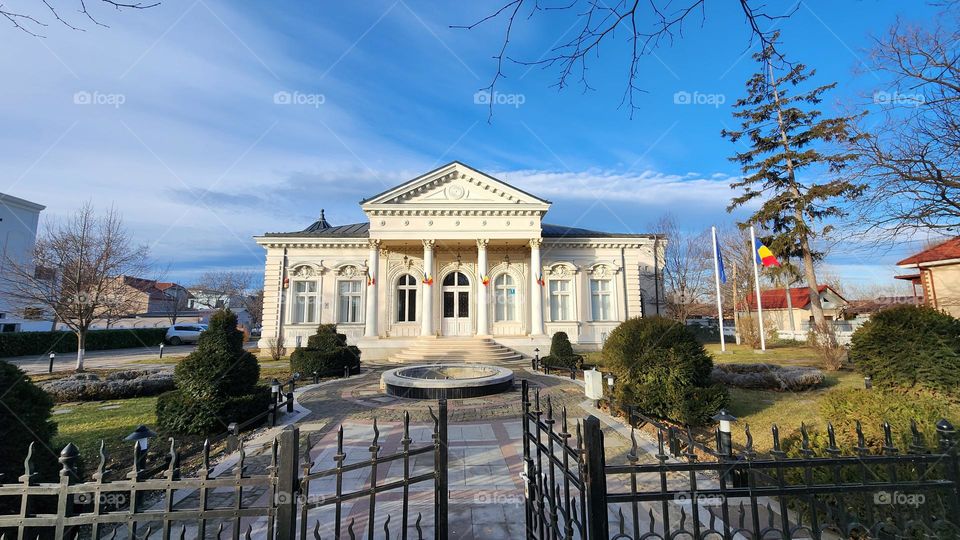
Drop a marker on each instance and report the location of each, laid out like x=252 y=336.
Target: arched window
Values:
x=505 y=294
x=406 y=298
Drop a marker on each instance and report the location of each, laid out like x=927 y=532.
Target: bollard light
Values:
x=142 y=435
x=275 y=389
x=316 y=377
x=53 y=356
x=161 y=349
x=868 y=382
x=536 y=359
x=725 y=431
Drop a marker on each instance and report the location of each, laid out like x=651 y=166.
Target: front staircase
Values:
x=456 y=349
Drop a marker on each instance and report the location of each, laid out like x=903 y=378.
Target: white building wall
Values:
x=18 y=232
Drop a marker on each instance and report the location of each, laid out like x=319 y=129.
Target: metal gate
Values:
x=287 y=501
x=573 y=494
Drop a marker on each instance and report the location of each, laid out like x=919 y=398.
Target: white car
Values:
x=184 y=333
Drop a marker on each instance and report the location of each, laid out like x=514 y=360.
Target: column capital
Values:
x=428 y=244
x=373 y=243
x=482 y=243
x=536 y=242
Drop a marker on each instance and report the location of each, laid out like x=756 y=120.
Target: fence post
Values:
x=68 y=475
x=948 y=445
x=440 y=487
x=287 y=482
x=596 y=480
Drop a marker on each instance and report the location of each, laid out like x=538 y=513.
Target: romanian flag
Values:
x=764 y=255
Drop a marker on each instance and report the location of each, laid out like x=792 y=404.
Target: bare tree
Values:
x=177 y=303
x=686 y=267
x=31 y=22
x=239 y=288
x=910 y=154
x=88 y=254
x=647 y=26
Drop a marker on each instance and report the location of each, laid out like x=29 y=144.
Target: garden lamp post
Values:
x=161 y=349
x=53 y=357
x=610 y=380
x=316 y=377
x=536 y=359
x=142 y=435
x=724 y=432
x=275 y=390
x=867 y=382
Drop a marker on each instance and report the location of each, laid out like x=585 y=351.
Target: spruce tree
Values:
x=791 y=166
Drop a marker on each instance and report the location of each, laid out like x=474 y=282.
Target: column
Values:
x=426 y=292
x=483 y=325
x=373 y=264
x=536 y=291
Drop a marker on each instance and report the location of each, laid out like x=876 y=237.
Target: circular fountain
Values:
x=452 y=381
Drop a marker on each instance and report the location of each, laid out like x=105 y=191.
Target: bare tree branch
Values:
x=25 y=22
x=648 y=25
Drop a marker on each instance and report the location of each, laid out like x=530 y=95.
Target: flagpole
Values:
x=716 y=279
x=756 y=283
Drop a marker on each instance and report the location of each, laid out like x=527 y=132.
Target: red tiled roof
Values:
x=777 y=298
x=949 y=249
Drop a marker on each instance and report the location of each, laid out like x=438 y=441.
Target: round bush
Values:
x=25 y=412
x=214 y=383
x=663 y=370
x=326 y=353
x=561 y=352
x=910 y=347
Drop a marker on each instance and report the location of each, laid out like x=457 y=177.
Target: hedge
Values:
x=910 y=347
x=24 y=343
x=561 y=352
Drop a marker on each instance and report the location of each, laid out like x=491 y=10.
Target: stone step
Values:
x=456 y=349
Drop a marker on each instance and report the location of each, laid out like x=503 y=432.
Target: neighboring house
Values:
x=791 y=315
x=201 y=299
x=937 y=271
x=18 y=234
x=858 y=312
x=455 y=253
x=155 y=297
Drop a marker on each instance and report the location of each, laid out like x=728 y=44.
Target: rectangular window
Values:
x=600 y=300
x=349 y=301
x=304 y=302
x=560 y=301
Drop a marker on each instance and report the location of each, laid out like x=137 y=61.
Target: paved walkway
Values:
x=134 y=358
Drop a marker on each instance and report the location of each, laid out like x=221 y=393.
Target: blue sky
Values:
x=171 y=115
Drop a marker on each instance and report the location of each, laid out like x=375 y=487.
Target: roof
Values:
x=949 y=249
x=10 y=200
x=857 y=307
x=440 y=168
x=362 y=230
x=777 y=298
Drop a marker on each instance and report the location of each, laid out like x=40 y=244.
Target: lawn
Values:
x=775 y=354
x=89 y=422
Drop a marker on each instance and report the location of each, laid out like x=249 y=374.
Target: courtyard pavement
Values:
x=133 y=358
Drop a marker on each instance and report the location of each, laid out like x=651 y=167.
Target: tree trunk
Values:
x=81 y=343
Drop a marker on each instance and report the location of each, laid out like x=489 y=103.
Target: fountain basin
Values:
x=452 y=381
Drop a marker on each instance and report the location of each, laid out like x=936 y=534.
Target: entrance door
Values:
x=456 y=305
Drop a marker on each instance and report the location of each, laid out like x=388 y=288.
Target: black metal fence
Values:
x=573 y=493
x=284 y=501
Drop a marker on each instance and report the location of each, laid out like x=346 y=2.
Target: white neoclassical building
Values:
x=455 y=253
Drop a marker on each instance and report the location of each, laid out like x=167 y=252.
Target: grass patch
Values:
x=87 y=423
x=784 y=355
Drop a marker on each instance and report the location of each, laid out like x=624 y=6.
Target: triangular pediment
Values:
x=455 y=185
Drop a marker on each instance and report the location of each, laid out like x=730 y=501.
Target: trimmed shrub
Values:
x=910 y=347
x=561 y=352
x=25 y=412
x=117 y=385
x=24 y=343
x=663 y=370
x=327 y=353
x=767 y=377
x=216 y=384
